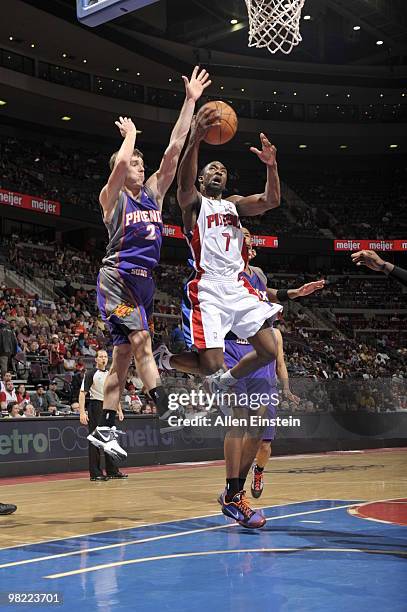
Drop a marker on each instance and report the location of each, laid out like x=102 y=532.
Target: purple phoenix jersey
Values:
x=125 y=285
x=264 y=380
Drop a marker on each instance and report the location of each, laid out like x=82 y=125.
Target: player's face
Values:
x=214 y=178
x=135 y=175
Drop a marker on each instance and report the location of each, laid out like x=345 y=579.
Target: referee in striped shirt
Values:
x=91 y=395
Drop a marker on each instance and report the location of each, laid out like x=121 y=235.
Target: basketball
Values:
x=220 y=134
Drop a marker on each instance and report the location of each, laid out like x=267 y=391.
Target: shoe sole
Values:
x=256 y=494
x=7 y=513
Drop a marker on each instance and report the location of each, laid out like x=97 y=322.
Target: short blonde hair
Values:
x=112 y=161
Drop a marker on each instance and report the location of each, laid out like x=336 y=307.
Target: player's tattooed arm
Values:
x=110 y=192
x=160 y=181
x=188 y=195
x=259 y=203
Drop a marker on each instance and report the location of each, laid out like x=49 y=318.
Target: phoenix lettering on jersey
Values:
x=145 y=216
x=217 y=219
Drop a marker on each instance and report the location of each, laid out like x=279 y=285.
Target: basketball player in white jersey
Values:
x=222 y=299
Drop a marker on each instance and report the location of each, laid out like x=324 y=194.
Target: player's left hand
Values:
x=121 y=416
x=288 y=395
x=268 y=151
x=195 y=86
x=309 y=288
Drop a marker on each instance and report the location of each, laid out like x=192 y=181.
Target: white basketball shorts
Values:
x=217 y=306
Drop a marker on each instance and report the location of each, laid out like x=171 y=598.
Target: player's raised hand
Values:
x=309 y=288
x=195 y=86
x=268 y=151
x=126 y=126
x=206 y=118
x=369 y=259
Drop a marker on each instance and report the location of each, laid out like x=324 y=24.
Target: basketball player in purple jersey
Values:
x=242 y=444
x=131 y=211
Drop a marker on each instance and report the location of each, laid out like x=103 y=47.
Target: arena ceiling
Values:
x=328 y=36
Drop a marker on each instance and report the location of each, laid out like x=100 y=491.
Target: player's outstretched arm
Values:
x=282 y=295
x=374 y=262
x=110 y=192
x=160 y=181
x=187 y=194
x=281 y=370
x=259 y=203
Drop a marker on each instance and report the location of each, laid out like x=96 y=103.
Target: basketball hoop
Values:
x=274 y=24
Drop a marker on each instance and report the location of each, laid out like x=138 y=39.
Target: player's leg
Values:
x=205 y=326
x=116 y=380
x=203 y=362
x=260 y=462
x=265 y=351
x=105 y=435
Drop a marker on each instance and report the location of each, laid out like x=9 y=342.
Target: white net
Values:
x=274 y=24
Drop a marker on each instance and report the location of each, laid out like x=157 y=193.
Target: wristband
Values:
x=282 y=295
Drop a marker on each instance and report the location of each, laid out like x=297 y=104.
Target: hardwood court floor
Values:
x=53 y=507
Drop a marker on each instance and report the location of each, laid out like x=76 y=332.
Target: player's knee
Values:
x=140 y=343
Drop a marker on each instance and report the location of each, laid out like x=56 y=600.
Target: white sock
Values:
x=227 y=379
x=166 y=361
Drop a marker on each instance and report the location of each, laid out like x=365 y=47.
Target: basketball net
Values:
x=274 y=24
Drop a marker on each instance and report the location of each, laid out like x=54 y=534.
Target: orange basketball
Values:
x=219 y=134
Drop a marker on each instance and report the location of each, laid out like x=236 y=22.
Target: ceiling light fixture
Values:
x=356 y=28
x=66 y=118
x=3 y=103
x=307 y=17
x=393 y=146
x=233 y=21
x=302 y=146
x=379 y=42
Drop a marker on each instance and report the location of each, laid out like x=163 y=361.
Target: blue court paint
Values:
x=340 y=563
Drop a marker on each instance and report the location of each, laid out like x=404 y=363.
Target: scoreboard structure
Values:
x=95 y=12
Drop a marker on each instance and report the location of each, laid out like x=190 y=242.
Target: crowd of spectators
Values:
x=353 y=201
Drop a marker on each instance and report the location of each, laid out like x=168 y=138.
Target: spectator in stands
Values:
x=28 y=411
x=8 y=395
x=23 y=396
x=6 y=378
x=177 y=339
x=39 y=399
x=69 y=362
x=13 y=410
x=8 y=346
x=57 y=352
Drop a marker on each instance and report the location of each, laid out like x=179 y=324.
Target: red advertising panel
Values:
x=172 y=231
x=29 y=202
x=270 y=242
x=372 y=245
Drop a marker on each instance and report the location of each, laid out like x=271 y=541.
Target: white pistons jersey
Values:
x=217 y=241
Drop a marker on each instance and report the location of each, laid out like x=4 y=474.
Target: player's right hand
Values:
x=126 y=126
x=205 y=119
x=83 y=417
x=369 y=259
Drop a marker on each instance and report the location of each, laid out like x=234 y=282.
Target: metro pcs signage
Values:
x=372 y=245
x=28 y=202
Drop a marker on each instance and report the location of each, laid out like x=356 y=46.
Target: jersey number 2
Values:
x=151 y=232
x=227 y=236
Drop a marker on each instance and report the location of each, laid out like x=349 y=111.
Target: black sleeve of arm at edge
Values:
x=399 y=274
x=88 y=380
